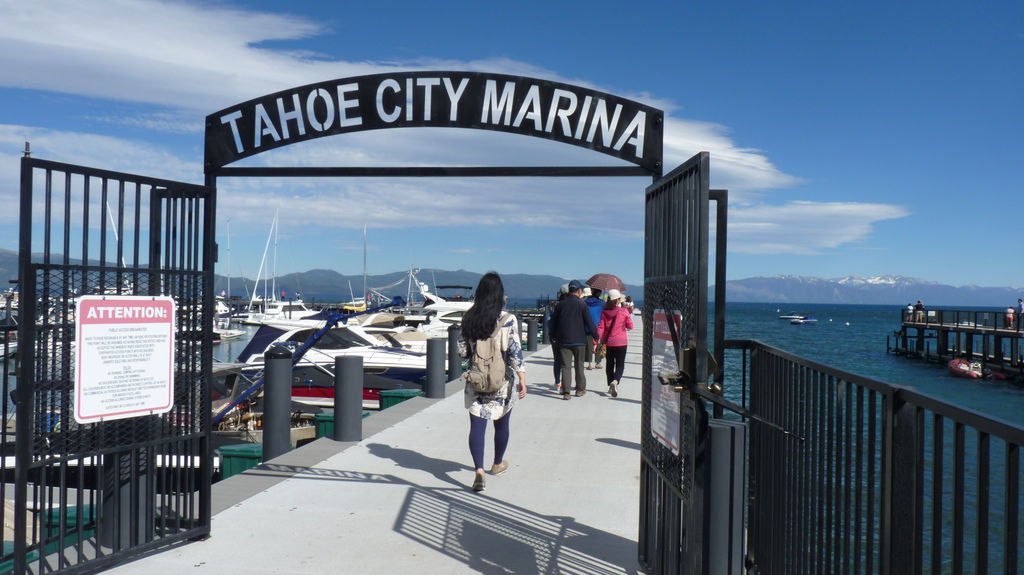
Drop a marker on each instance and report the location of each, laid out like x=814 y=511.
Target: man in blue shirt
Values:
x=595 y=305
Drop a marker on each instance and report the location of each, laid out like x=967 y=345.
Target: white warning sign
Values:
x=124 y=359
x=665 y=403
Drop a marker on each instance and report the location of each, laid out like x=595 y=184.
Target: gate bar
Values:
x=433 y=171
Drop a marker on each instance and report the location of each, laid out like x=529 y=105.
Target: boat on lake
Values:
x=962 y=367
x=389 y=365
x=274 y=310
x=803 y=319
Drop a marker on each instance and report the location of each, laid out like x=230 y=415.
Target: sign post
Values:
x=124 y=363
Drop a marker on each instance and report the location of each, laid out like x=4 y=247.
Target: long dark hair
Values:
x=479 y=321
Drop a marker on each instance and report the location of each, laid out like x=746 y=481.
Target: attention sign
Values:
x=665 y=403
x=571 y=114
x=124 y=360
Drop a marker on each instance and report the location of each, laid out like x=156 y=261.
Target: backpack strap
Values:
x=500 y=331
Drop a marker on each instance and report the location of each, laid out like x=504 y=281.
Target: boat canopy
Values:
x=263 y=337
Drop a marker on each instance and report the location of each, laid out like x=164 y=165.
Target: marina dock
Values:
x=994 y=338
x=399 y=501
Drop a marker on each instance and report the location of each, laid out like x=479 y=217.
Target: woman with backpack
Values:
x=496 y=377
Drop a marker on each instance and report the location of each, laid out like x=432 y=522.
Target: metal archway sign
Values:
x=575 y=115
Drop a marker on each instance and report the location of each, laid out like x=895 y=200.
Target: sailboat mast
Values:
x=228 y=298
x=262 y=273
x=229 y=262
x=364 y=267
x=276 y=228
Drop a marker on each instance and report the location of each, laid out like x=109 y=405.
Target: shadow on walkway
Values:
x=486 y=534
x=492 y=536
x=439 y=468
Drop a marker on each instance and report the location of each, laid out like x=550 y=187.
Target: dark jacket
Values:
x=571 y=323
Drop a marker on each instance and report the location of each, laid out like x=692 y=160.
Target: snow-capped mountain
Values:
x=887 y=289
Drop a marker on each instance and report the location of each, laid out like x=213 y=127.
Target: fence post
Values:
x=434 y=388
x=531 y=335
x=454 y=361
x=277 y=394
x=348 y=398
x=901 y=545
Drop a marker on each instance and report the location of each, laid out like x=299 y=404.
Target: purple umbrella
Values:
x=605 y=282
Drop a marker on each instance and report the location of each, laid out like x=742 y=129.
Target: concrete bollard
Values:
x=531 y=335
x=545 y=333
x=277 y=396
x=348 y=398
x=454 y=361
x=434 y=388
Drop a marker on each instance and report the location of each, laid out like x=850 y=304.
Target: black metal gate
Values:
x=88 y=495
x=673 y=477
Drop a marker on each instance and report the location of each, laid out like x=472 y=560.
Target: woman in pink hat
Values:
x=611 y=331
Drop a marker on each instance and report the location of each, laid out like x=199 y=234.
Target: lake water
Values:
x=853 y=338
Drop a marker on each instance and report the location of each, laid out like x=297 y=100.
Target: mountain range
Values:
x=328 y=285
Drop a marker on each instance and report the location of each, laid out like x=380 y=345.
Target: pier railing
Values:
x=998 y=319
x=874 y=478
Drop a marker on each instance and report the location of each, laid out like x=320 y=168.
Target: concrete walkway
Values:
x=399 y=501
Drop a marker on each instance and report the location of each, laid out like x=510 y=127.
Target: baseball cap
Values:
x=575 y=285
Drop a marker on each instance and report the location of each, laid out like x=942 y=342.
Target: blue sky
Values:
x=861 y=139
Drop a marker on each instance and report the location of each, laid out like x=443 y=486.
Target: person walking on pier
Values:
x=557 y=363
x=611 y=332
x=570 y=325
x=592 y=297
x=482 y=322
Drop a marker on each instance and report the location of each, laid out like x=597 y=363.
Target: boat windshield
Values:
x=338 y=338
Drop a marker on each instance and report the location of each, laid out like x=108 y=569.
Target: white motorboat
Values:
x=384 y=366
x=803 y=319
x=223 y=334
x=438 y=316
x=274 y=310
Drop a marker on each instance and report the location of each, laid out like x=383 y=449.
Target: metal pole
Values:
x=454 y=361
x=721 y=199
x=434 y=389
x=277 y=396
x=545 y=336
x=531 y=335
x=348 y=398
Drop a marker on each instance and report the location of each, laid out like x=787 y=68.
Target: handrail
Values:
x=880 y=461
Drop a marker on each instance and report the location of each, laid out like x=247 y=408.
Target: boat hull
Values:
x=962 y=368
x=314 y=386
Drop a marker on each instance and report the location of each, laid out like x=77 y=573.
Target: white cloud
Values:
x=188 y=60
x=804 y=228
x=201 y=58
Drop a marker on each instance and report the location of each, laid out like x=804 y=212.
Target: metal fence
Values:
x=87 y=495
x=874 y=478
